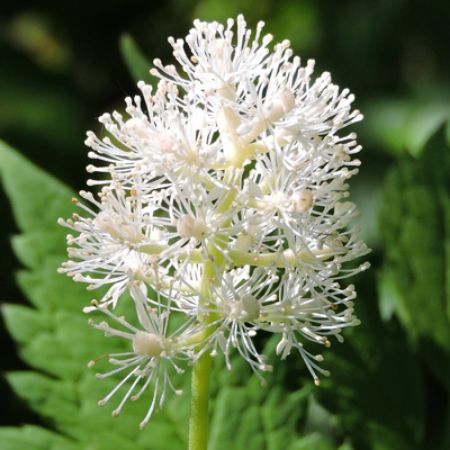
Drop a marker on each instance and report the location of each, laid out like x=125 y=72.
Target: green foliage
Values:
x=54 y=336
x=22 y=104
x=376 y=376
x=36 y=198
x=390 y=381
x=288 y=20
x=55 y=340
x=34 y=438
x=415 y=278
x=406 y=125
x=137 y=63
x=255 y=417
x=417 y=241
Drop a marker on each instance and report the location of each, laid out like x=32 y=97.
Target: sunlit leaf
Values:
x=55 y=340
x=137 y=63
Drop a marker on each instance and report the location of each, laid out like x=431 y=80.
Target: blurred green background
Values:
x=64 y=63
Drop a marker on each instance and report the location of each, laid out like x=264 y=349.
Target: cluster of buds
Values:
x=222 y=212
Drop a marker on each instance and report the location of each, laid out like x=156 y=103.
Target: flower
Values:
x=223 y=203
x=116 y=243
x=239 y=303
x=151 y=358
x=163 y=138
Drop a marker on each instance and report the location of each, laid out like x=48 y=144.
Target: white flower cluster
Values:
x=222 y=206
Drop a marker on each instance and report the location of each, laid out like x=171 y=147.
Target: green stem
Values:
x=198 y=424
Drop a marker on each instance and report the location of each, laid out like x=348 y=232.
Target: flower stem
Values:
x=198 y=424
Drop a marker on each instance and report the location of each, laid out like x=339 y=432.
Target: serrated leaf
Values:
x=415 y=224
x=376 y=380
x=245 y=427
x=37 y=199
x=64 y=349
x=252 y=416
x=34 y=247
x=282 y=409
x=47 y=289
x=55 y=339
x=52 y=398
x=24 y=323
x=33 y=438
x=71 y=406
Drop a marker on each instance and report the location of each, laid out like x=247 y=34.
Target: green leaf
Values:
x=47 y=289
x=137 y=63
x=37 y=198
x=33 y=438
x=221 y=11
x=55 y=339
x=376 y=380
x=415 y=224
x=415 y=279
x=252 y=416
x=423 y=123
x=365 y=192
x=50 y=397
x=405 y=125
x=268 y=419
x=54 y=336
x=34 y=247
x=23 y=111
x=390 y=298
x=386 y=121
x=71 y=406
x=314 y=441
x=25 y=323
x=225 y=425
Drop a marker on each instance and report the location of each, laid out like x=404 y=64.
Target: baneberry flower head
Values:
x=223 y=206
